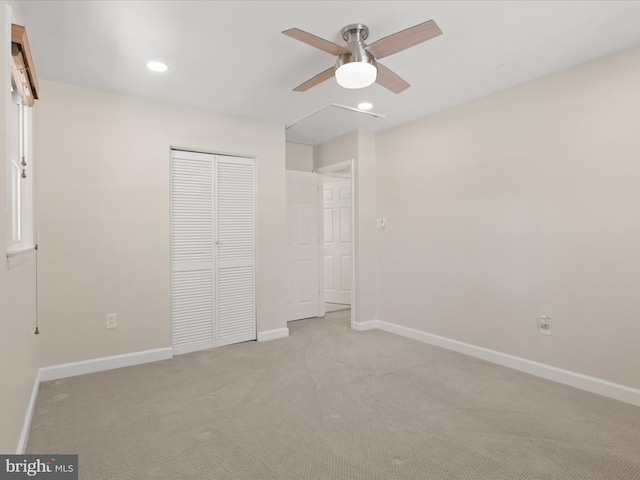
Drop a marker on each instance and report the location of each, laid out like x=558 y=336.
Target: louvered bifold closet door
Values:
x=192 y=251
x=235 y=235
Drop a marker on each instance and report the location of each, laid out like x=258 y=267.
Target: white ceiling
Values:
x=231 y=58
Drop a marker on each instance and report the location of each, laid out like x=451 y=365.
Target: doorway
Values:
x=337 y=214
x=337 y=242
x=306 y=261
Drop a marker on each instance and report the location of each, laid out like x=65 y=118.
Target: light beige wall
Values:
x=338 y=150
x=104 y=216
x=359 y=147
x=18 y=344
x=299 y=157
x=521 y=204
x=367 y=234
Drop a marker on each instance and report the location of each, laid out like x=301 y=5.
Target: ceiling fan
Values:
x=357 y=64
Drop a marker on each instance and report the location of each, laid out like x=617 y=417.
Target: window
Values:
x=19 y=176
x=19 y=159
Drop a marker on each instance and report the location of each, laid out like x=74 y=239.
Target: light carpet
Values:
x=331 y=403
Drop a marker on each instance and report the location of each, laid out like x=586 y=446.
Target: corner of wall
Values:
x=367 y=233
x=18 y=344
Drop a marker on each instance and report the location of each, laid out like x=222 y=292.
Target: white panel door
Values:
x=212 y=250
x=337 y=240
x=235 y=241
x=302 y=246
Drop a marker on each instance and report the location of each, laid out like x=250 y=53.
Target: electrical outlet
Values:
x=111 y=320
x=544 y=324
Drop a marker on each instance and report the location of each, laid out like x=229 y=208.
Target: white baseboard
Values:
x=193 y=347
x=273 y=334
x=368 y=325
x=105 y=363
x=24 y=435
x=566 y=377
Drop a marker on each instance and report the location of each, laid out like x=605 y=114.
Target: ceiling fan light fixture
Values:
x=356 y=75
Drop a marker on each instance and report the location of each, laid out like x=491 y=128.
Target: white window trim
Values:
x=25 y=208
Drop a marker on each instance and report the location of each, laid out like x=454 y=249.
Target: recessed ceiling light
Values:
x=157 y=66
x=365 y=106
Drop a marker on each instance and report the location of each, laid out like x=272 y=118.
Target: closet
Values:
x=212 y=250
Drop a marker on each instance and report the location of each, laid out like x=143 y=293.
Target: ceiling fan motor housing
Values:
x=355 y=35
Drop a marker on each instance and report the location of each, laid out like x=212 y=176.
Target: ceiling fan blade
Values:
x=318 y=79
x=320 y=43
x=388 y=79
x=404 y=39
